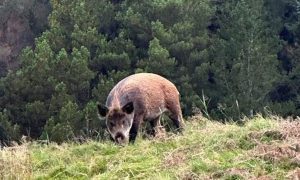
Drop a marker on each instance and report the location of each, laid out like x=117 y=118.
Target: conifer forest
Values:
x=229 y=59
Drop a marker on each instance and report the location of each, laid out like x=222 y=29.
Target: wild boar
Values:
x=136 y=99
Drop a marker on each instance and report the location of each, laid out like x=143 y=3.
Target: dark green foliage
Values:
x=245 y=64
x=158 y=61
x=106 y=83
x=93 y=127
x=66 y=125
x=8 y=131
x=228 y=58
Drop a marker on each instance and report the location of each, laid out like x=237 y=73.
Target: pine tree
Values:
x=245 y=65
x=94 y=128
x=66 y=125
x=8 y=132
x=159 y=61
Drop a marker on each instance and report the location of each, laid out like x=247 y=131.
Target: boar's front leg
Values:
x=135 y=127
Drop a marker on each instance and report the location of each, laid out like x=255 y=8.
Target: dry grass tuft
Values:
x=239 y=172
x=287 y=136
x=275 y=153
x=15 y=162
x=265 y=177
x=175 y=158
x=294 y=175
x=160 y=133
x=291 y=129
x=193 y=176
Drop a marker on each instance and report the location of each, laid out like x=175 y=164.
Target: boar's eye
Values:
x=112 y=124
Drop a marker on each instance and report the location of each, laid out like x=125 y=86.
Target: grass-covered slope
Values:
x=262 y=148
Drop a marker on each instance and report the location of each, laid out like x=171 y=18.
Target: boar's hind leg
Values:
x=176 y=116
x=135 y=128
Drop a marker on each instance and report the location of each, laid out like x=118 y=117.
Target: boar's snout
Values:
x=120 y=138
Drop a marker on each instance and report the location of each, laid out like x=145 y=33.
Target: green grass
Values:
x=206 y=149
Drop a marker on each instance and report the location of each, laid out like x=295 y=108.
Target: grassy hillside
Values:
x=262 y=148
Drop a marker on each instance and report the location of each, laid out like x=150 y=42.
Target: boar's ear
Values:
x=128 y=108
x=102 y=110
